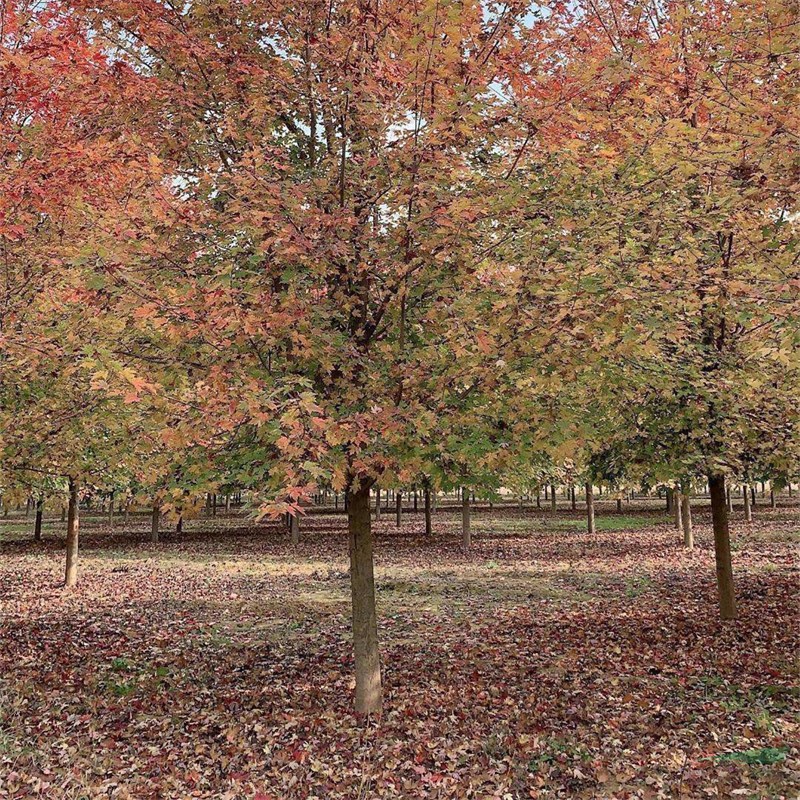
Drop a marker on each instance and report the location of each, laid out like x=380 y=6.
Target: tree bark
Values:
x=73 y=523
x=772 y=503
x=362 y=584
x=677 y=503
x=572 y=499
x=748 y=511
x=552 y=497
x=670 y=499
x=466 y=532
x=729 y=498
x=377 y=503
x=590 y=509
x=155 y=519
x=427 y=503
x=37 y=525
x=619 y=505
x=722 y=547
x=294 y=528
x=398 y=508
x=686 y=517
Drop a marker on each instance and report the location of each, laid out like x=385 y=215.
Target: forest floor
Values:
x=541 y=664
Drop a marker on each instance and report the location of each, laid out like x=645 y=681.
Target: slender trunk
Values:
x=552 y=497
x=427 y=503
x=336 y=501
x=179 y=525
x=377 y=503
x=572 y=499
x=748 y=511
x=398 y=509
x=729 y=498
x=669 y=499
x=294 y=528
x=37 y=525
x=362 y=584
x=590 y=509
x=227 y=503
x=722 y=547
x=71 y=572
x=753 y=495
x=111 y=510
x=63 y=513
x=155 y=519
x=466 y=533
x=686 y=515
x=677 y=505
x=772 y=502
x=416 y=501
x=619 y=505
x=538 y=499
x=214 y=504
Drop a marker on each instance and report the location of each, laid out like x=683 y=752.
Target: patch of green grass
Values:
x=636 y=585
x=123 y=689
x=553 y=750
x=764 y=756
x=608 y=523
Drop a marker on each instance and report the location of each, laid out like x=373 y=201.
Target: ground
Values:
x=544 y=663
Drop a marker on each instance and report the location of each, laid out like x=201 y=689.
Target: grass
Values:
x=764 y=756
x=608 y=523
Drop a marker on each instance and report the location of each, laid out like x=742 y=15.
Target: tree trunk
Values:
x=590 y=509
x=71 y=572
x=362 y=584
x=722 y=547
x=748 y=511
x=227 y=503
x=686 y=516
x=398 y=509
x=416 y=501
x=37 y=525
x=619 y=505
x=377 y=503
x=677 y=505
x=63 y=513
x=214 y=504
x=155 y=519
x=669 y=499
x=466 y=533
x=572 y=499
x=427 y=503
x=294 y=528
x=552 y=497
x=772 y=502
x=179 y=525
x=729 y=498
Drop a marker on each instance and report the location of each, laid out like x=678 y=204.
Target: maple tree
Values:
x=280 y=248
